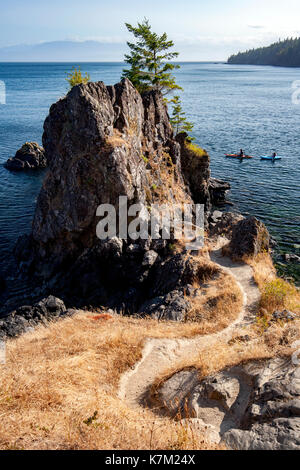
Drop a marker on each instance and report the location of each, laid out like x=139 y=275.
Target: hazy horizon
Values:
x=201 y=30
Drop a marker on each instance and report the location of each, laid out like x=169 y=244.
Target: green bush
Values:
x=276 y=293
x=194 y=148
x=76 y=78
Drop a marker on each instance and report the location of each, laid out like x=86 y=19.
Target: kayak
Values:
x=270 y=158
x=235 y=155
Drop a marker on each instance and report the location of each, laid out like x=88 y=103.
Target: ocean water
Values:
x=232 y=106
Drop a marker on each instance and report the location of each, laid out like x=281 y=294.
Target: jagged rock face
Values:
x=249 y=238
x=29 y=157
x=196 y=171
x=101 y=143
x=224 y=224
x=195 y=165
x=218 y=190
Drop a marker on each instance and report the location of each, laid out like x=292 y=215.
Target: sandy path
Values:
x=159 y=355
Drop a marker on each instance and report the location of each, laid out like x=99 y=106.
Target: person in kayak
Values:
x=241 y=154
x=274 y=156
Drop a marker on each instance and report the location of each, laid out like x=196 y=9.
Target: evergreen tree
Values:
x=178 y=119
x=76 y=78
x=148 y=60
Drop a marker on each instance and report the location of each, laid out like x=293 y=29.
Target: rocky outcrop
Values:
x=27 y=317
x=222 y=223
x=249 y=238
x=196 y=171
x=102 y=143
x=272 y=418
x=254 y=406
x=218 y=190
x=29 y=157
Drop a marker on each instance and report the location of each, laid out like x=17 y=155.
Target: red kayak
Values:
x=236 y=155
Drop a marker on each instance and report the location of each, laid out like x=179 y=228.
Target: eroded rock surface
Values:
x=255 y=406
x=30 y=156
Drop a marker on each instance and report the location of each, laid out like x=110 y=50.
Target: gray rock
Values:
x=285 y=315
x=218 y=190
x=216 y=216
x=196 y=171
x=255 y=406
x=249 y=237
x=172 y=306
x=29 y=157
x=20 y=320
x=225 y=224
x=279 y=434
x=150 y=258
x=291 y=258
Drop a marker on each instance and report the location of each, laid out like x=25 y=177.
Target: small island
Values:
x=284 y=53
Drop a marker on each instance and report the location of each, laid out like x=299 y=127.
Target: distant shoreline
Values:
x=103 y=62
x=265 y=65
x=284 y=53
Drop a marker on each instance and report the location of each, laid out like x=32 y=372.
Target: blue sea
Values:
x=232 y=106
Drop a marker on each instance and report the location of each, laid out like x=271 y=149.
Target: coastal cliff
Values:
x=102 y=142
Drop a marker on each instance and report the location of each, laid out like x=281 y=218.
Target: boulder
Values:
x=224 y=225
x=291 y=258
x=249 y=238
x=115 y=133
x=272 y=418
x=170 y=307
x=25 y=317
x=29 y=157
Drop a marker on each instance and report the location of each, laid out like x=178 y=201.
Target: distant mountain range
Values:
x=64 y=51
x=282 y=53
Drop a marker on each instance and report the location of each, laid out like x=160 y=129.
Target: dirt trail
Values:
x=159 y=355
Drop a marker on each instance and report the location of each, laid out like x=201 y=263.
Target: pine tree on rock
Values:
x=178 y=119
x=149 y=60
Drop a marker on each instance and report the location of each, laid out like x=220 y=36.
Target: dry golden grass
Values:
x=59 y=389
x=219 y=306
x=265 y=338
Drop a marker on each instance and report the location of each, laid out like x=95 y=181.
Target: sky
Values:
x=201 y=29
